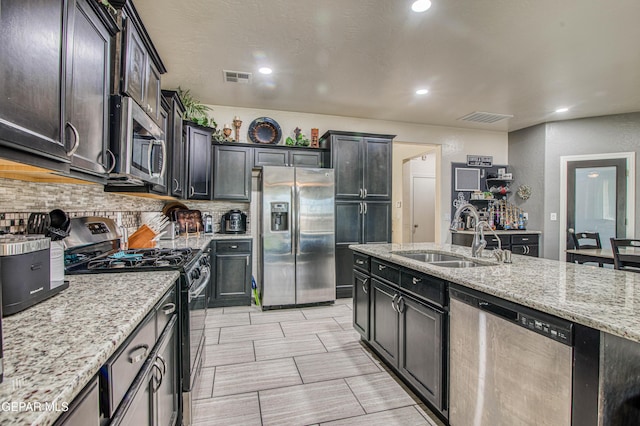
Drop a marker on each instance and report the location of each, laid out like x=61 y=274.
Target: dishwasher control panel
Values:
x=561 y=333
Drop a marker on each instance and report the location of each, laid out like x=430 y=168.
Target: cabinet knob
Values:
x=415 y=280
x=381 y=267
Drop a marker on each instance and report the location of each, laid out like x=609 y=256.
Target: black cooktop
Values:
x=154 y=259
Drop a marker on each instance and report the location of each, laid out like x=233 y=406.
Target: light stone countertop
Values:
x=53 y=349
x=200 y=242
x=500 y=232
x=601 y=298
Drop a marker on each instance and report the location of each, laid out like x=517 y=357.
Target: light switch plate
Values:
x=554 y=216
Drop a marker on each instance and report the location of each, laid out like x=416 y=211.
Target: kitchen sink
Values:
x=428 y=256
x=441 y=259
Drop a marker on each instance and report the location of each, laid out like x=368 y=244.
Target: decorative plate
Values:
x=264 y=130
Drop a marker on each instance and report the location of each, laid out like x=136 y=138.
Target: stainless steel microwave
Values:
x=138 y=145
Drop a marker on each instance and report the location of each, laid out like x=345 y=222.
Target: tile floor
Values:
x=297 y=367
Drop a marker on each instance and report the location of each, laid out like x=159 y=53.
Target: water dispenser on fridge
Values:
x=279 y=216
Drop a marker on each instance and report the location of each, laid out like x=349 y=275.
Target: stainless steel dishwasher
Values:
x=509 y=365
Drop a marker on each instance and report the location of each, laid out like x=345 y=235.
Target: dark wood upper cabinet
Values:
x=88 y=73
x=175 y=144
x=232 y=173
x=362 y=164
x=138 y=65
x=199 y=159
x=54 y=102
x=31 y=75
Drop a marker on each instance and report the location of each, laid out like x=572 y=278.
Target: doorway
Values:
x=597 y=196
x=420 y=199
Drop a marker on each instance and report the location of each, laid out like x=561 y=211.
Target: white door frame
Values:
x=631 y=191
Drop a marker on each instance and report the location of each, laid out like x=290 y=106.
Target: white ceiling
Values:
x=366 y=58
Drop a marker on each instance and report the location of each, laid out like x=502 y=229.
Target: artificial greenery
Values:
x=194 y=110
x=108 y=5
x=301 y=139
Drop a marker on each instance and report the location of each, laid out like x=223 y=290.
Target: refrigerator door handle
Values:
x=297 y=218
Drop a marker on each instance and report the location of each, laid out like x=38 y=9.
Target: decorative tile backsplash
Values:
x=18 y=199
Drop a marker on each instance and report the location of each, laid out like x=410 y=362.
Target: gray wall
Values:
x=526 y=162
x=595 y=135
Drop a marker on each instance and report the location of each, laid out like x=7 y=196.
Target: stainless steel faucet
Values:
x=479 y=242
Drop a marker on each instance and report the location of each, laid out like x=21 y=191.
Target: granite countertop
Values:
x=601 y=298
x=499 y=232
x=53 y=349
x=200 y=242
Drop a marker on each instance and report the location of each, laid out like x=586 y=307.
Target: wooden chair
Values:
x=587 y=240
x=625 y=261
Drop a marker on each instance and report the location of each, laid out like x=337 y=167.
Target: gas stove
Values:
x=129 y=260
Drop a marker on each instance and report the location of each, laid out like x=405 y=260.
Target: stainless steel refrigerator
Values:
x=298 y=240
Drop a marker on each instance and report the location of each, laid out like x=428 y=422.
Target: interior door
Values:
x=423 y=211
x=596 y=198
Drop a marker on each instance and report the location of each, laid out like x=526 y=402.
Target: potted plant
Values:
x=194 y=110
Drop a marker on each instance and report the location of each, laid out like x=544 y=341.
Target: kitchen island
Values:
x=582 y=371
x=604 y=299
x=52 y=350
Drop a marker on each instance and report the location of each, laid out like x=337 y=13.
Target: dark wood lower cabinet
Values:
x=231 y=273
x=384 y=321
x=361 y=291
x=407 y=328
x=421 y=347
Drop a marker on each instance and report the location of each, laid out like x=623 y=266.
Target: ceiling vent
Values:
x=485 y=117
x=236 y=77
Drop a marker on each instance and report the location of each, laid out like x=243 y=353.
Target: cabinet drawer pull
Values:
x=365 y=208
x=169 y=308
x=233 y=247
x=364 y=285
x=360 y=262
x=415 y=280
x=381 y=267
x=393 y=302
x=177 y=186
x=76 y=137
x=365 y=193
x=138 y=353
x=360 y=193
x=524 y=239
x=192 y=191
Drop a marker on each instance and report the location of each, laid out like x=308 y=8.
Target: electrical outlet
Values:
x=525 y=215
x=398 y=204
x=554 y=216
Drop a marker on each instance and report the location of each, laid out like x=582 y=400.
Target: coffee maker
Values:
x=233 y=222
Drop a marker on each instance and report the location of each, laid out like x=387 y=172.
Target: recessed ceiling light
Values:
x=265 y=70
x=422 y=92
x=562 y=109
x=421 y=5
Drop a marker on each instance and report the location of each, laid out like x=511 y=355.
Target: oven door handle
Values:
x=198 y=291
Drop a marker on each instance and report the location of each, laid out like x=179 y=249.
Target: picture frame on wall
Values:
x=467 y=179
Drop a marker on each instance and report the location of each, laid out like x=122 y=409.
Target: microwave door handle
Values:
x=149 y=152
x=164 y=158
